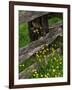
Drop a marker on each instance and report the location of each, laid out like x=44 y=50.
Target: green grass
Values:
x=53 y=68
x=49 y=70
x=27 y=63
x=54 y=20
x=23 y=35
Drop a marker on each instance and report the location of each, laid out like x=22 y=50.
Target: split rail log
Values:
x=27 y=16
x=26 y=73
x=33 y=47
x=30 y=15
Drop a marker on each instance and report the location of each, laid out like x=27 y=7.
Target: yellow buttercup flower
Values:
x=46 y=76
x=53 y=70
x=37 y=55
x=47 y=49
x=40 y=51
x=23 y=65
x=52 y=66
x=33 y=74
x=54 y=58
x=60 y=62
x=41 y=75
x=47 y=73
x=57 y=67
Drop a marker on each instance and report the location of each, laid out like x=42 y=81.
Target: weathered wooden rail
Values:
x=36 y=20
x=26 y=16
x=29 y=50
x=26 y=73
x=52 y=32
x=29 y=15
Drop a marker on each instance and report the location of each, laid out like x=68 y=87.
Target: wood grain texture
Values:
x=33 y=47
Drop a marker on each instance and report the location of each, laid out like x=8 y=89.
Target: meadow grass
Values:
x=53 y=70
x=23 y=35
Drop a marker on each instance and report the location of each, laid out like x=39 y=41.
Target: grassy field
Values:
x=54 y=20
x=54 y=67
x=23 y=35
x=49 y=66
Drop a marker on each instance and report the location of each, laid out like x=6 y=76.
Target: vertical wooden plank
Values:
x=44 y=22
x=30 y=31
x=33 y=25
